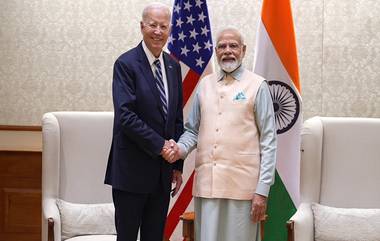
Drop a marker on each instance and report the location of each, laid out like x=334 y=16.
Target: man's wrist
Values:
x=182 y=151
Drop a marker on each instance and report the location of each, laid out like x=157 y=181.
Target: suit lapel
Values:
x=148 y=75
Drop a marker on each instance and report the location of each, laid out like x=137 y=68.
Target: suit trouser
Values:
x=145 y=211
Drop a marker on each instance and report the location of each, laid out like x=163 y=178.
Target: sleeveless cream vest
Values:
x=228 y=155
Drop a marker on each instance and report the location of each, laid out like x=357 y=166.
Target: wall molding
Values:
x=19 y=128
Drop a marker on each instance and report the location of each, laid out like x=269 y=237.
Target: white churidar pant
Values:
x=219 y=219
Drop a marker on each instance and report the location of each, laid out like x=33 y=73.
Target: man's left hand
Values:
x=259 y=207
x=177 y=179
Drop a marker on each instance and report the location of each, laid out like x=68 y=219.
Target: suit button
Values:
x=219 y=113
x=221 y=96
x=215 y=146
x=216 y=129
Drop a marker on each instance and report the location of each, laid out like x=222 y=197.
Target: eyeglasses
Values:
x=223 y=46
x=156 y=26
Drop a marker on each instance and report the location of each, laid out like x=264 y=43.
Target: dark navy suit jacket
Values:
x=140 y=127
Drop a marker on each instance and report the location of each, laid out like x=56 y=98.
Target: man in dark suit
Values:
x=147 y=97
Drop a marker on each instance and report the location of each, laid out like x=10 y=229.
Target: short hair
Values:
x=230 y=29
x=155 y=5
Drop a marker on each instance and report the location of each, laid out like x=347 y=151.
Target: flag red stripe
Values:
x=189 y=84
x=179 y=207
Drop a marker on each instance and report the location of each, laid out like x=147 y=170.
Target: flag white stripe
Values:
x=271 y=60
x=188 y=165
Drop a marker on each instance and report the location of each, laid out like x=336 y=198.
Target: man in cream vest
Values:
x=232 y=125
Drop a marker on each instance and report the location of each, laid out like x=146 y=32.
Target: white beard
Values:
x=229 y=67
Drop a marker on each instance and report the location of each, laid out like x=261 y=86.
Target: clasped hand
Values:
x=170 y=151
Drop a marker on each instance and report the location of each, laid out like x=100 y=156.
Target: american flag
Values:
x=190 y=42
x=190 y=39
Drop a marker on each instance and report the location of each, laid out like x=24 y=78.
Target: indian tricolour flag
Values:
x=276 y=60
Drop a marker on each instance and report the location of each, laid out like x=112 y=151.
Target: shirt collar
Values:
x=150 y=56
x=236 y=74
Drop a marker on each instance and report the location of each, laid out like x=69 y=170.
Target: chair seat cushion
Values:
x=86 y=219
x=345 y=224
x=93 y=238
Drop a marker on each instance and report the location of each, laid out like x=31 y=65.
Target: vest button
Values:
x=216 y=129
x=221 y=96
x=220 y=113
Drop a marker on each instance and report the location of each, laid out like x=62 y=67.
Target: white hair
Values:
x=155 y=5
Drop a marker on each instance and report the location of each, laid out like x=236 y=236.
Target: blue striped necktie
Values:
x=160 y=85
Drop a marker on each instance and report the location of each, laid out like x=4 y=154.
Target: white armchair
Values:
x=340 y=167
x=75 y=154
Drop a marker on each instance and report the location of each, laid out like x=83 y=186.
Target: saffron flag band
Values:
x=276 y=60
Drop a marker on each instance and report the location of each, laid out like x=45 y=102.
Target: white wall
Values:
x=58 y=55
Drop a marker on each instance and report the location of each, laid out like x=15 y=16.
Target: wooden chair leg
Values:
x=290 y=226
x=262 y=223
x=188 y=226
x=50 y=229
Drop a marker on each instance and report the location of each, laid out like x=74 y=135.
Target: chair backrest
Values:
x=340 y=162
x=75 y=153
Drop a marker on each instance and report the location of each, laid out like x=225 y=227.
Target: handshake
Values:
x=170 y=151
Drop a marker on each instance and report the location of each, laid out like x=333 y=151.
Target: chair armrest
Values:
x=51 y=220
x=301 y=224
